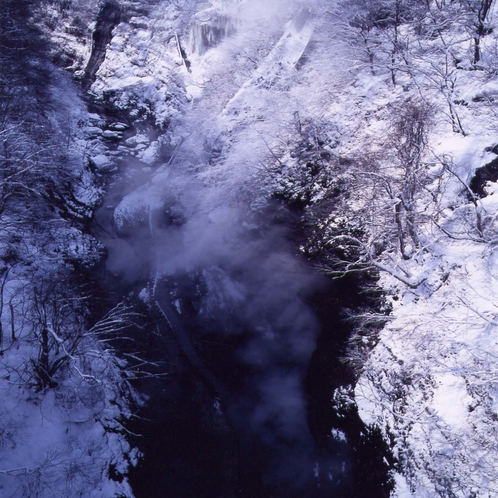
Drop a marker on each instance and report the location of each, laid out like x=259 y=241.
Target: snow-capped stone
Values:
x=150 y=154
x=112 y=135
x=93 y=132
x=137 y=141
x=118 y=126
x=102 y=163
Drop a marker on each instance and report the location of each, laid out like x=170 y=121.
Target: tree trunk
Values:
x=399 y=223
x=477 y=49
x=12 y=325
x=42 y=367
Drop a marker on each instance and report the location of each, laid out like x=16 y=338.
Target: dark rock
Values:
x=488 y=173
x=493 y=149
x=107 y=19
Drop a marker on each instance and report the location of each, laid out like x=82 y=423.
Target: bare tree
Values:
x=57 y=319
x=479 y=14
x=380 y=24
x=390 y=206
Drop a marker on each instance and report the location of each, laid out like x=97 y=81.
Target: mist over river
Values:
x=251 y=330
x=253 y=337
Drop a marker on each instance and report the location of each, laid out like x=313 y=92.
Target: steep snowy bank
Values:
x=429 y=382
x=64 y=392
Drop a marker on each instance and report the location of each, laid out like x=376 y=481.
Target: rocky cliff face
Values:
x=108 y=18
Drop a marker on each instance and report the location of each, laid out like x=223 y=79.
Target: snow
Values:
x=444 y=342
x=450 y=399
x=338 y=435
x=112 y=135
x=59 y=439
x=102 y=162
x=150 y=154
x=431 y=381
x=93 y=132
x=402 y=489
x=284 y=56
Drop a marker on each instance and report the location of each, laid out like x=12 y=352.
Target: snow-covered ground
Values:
x=63 y=395
x=231 y=110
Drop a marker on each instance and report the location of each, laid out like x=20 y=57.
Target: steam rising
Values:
x=204 y=213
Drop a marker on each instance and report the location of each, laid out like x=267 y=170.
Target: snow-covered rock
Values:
x=102 y=163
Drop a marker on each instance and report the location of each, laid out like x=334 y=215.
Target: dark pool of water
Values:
x=197 y=445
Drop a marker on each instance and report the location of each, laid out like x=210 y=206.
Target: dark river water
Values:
x=252 y=343
x=250 y=335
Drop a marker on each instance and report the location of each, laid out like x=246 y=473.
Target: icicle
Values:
x=208 y=30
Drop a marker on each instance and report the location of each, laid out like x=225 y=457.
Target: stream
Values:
x=251 y=335
x=252 y=338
